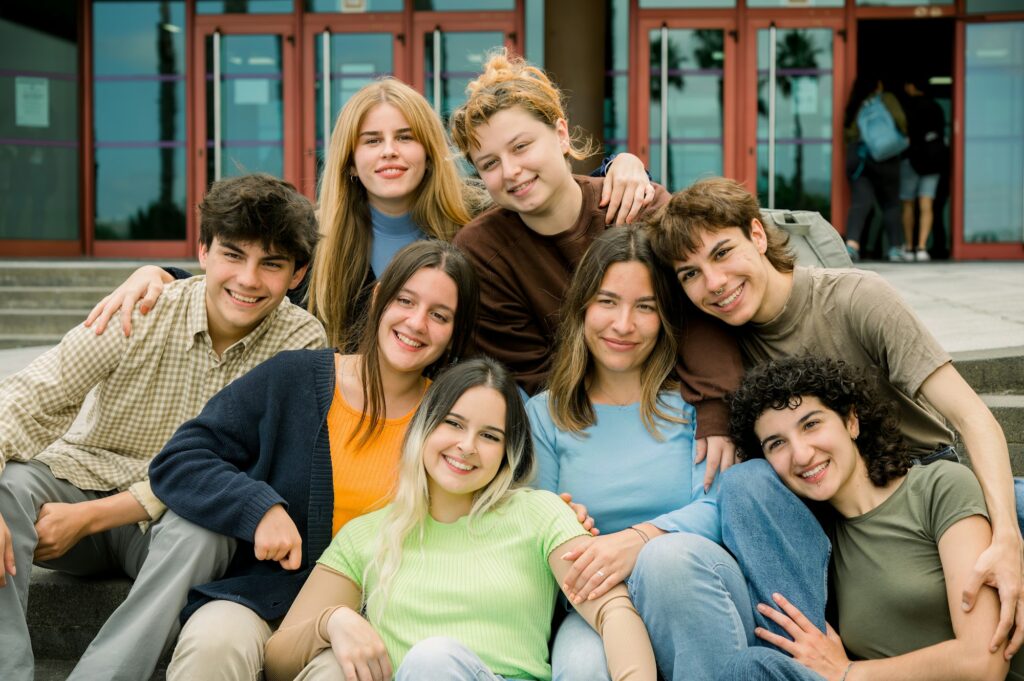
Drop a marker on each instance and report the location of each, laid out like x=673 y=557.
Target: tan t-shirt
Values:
x=858 y=317
x=890 y=587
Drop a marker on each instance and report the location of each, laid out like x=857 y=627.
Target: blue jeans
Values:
x=691 y=595
x=761 y=664
x=776 y=540
x=443 y=659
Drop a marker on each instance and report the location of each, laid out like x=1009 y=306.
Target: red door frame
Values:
x=395 y=23
x=640 y=103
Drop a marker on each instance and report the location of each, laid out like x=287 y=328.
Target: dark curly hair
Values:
x=843 y=388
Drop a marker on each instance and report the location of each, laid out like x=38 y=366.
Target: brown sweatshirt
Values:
x=523 y=278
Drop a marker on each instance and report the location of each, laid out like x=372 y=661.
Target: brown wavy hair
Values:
x=843 y=388
x=712 y=205
x=509 y=81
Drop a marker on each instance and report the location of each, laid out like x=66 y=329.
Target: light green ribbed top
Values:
x=486 y=584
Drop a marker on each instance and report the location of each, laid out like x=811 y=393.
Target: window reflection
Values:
x=462 y=58
x=243 y=6
x=616 y=80
x=39 y=146
x=139 y=119
x=994 y=133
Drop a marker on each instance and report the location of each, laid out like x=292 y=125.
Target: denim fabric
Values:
x=776 y=540
x=693 y=600
x=443 y=659
x=762 y=664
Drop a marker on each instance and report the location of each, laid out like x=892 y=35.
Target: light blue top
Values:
x=391 y=233
x=623 y=474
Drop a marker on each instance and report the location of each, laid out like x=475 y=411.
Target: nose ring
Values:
x=719 y=291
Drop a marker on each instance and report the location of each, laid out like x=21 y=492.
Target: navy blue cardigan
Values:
x=260 y=441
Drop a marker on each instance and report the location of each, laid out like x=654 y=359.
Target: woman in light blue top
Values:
x=613 y=431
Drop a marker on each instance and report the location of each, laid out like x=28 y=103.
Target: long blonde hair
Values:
x=343 y=263
x=507 y=82
x=403 y=526
x=573 y=366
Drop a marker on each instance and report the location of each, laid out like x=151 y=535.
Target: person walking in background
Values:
x=870 y=179
x=922 y=165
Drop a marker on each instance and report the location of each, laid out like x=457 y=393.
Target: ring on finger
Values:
x=600 y=573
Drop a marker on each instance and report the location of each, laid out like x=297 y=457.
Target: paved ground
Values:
x=974 y=306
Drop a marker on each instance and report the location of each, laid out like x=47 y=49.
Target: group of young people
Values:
x=380 y=501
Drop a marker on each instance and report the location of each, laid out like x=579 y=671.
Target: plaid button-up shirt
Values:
x=146 y=386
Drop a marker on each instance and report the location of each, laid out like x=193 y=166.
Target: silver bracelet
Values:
x=846 y=672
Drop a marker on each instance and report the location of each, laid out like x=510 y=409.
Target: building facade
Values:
x=118 y=114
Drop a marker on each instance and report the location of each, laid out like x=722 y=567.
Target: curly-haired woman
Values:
x=904 y=537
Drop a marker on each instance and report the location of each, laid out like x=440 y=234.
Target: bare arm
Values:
x=145 y=284
x=999 y=565
x=626 y=644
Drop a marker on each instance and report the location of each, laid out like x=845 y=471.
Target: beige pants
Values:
x=222 y=641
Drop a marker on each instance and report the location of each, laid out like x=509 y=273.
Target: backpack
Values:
x=813 y=240
x=878 y=131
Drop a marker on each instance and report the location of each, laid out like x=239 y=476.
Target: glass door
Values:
x=797 y=124
x=245 y=103
x=688 y=74
x=450 y=51
x=991 y=149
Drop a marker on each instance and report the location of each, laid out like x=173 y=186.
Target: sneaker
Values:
x=921 y=255
x=899 y=254
x=854 y=253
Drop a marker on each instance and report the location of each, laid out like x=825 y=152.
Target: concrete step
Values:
x=992 y=371
x=58 y=670
x=54 y=322
x=51 y=297
x=9 y=340
x=101 y=273
x=1009 y=411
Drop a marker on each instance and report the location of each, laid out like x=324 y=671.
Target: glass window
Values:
x=139 y=119
x=39 y=146
x=692 y=105
x=803 y=119
x=802 y=4
x=534 y=12
x=243 y=6
x=354 y=6
x=976 y=6
x=462 y=56
x=464 y=5
x=616 y=80
x=688 y=4
x=994 y=133
x=903 y=3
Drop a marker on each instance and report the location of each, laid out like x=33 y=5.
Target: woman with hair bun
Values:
x=514 y=131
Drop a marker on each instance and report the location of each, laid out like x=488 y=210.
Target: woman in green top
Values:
x=456 y=578
x=904 y=537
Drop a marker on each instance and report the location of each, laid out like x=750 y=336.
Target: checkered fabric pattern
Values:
x=146 y=386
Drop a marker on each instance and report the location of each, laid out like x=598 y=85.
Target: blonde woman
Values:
x=389 y=179
x=513 y=130
x=613 y=430
x=455 y=580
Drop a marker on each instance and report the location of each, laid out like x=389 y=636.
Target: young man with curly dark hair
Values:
x=739 y=270
x=905 y=537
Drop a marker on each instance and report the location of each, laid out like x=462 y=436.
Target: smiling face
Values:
x=621 y=324
x=522 y=161
x=417 y=325
x=388 y=160
x=464 y=453
x=244 y=283
x=812 y=449
x=729 y=277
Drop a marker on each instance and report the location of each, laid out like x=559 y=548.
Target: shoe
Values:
x=898 y=254
x=921 y=255
x=854 y=253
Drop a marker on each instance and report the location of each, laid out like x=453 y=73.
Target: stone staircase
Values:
x=65 y=612
x=41 y=301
